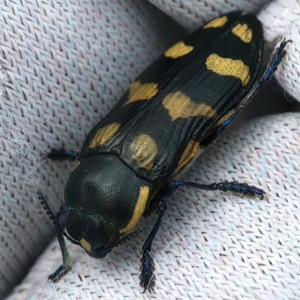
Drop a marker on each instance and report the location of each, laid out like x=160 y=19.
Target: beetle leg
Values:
x=147 y=268
x=225 y=186
x=158 y=205
x=66 y=259
x=63 y=154
x=275 y=60
x=59 y=233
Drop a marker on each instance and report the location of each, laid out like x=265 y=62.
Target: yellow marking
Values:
x=228 y=67
x=180 y=105
x=77 y=165
x=144 y=150
x=104 y=134
x=85 y=244
x=142 y=91
x=243 y=32
x=178 y=50
x=191 y=151
x=218 y=22
x=138 y=210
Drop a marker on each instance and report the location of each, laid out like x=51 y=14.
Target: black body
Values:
x=189 y=75
x=177 y=107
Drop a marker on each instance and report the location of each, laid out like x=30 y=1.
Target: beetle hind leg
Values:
x=275 y=60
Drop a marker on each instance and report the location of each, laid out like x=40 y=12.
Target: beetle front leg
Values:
x=157 y=206
x=62 y=269
x=59 y=233
x=63 y=154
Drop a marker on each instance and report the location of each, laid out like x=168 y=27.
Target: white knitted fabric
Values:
x=282 y=18
x=210 y=245
x=63 y=65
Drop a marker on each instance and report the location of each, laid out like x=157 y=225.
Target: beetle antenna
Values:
x=49 y=212
x=46 y=207
x=55 y=218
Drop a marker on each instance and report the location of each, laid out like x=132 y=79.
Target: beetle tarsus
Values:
x=241 y=188
x=62 y=269
x=63 y=154
x=275 y=60
x=147 y=268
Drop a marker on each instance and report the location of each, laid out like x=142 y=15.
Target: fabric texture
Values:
x=63 y=66
x=192 y=14
x=210 y=245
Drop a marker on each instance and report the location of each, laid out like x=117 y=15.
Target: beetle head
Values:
x=94 y=235
x=105 y=201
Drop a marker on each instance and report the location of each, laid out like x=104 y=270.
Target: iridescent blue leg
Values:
x=63 y=154
x=275 y=60
x=157 y=206
x=235 y=187
x=60 y=236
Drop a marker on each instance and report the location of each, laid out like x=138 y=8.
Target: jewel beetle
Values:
x=130 y=160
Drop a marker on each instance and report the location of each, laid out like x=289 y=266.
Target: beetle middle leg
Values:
x=157 y=206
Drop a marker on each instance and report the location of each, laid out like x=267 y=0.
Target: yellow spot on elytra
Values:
x=218 y=22
x=85 y=244
x=178 y=50
x=228 y=67
x=191 y=151
x=243 y=32
x=104 y=134
x=143 y=151
x=142 y=91
x=180 y=105
x=138 y=210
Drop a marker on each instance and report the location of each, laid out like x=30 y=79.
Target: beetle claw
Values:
x=62 y=269
x=147 y=268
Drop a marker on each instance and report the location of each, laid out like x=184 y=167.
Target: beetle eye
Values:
x=100 y=235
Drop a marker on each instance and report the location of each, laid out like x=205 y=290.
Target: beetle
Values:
x=178 y=106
